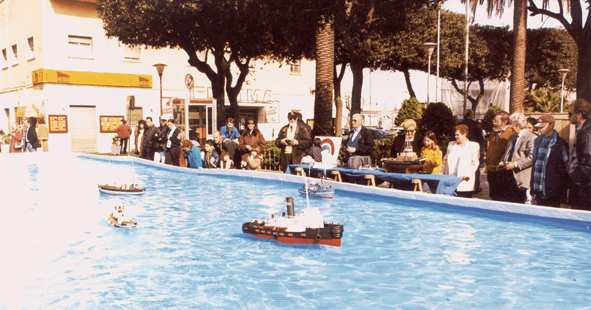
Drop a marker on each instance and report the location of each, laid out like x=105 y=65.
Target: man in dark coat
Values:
x=580 y=166
x=293 y=140
x=359 y=142
x=159 y=141
x=31 y=140
x=150 y=131
x=549 y=178
x=173 y=144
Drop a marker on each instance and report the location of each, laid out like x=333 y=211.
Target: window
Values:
x=31 y=50
x=14 y=48
x=80 y=47
x=4 y=59
x=131 y=52
x=295 y=67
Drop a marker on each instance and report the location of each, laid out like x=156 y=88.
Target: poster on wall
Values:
x=109 y=123
x=272 y=114
x=58 y=123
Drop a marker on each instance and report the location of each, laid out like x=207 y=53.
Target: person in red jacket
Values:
x=123 y=132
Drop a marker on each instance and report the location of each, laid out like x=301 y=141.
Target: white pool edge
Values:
x=448 y=201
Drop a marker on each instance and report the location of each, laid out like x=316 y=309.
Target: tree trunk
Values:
x=233 y=108
x=324 y=79
x=217 y=79
x=217 y=89
x=234 y=90
x=357 y=70
x=338 y=100
x=584 y=69
x=519 y=50
x=411 y=91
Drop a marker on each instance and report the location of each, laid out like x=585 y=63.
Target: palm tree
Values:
x=324 y=78
x=518 y=82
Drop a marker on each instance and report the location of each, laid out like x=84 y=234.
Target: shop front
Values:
x=201 y=117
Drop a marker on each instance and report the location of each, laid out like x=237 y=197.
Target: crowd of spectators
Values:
x=168 y=144
x=524 y=159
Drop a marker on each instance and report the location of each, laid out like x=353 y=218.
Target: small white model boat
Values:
x=318 y=190
x=118 y=219
x=126 y=189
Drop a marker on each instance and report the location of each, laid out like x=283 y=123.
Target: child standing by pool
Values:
x=432 y=154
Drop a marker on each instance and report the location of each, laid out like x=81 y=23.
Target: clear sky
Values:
x=507 y=18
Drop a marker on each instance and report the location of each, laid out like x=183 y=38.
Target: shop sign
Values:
x=110 y=123
x=58 y=123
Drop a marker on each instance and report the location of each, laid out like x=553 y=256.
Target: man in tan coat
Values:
x=43 y=134
x=495 y=150
x=518 y=159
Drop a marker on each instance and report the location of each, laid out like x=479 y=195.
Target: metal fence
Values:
x=271 y=158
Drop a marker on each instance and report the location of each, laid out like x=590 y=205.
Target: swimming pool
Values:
x=189 y=252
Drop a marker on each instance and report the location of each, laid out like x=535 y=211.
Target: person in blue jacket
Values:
x=193 y=152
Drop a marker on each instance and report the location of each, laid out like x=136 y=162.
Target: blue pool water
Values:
x=188 y=251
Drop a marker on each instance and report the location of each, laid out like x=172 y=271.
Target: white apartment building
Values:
x=57 y=64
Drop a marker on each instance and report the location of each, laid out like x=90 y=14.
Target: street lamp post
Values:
x=429 y=46
x=564 y=72
x=437 y=84
x=160 y=69
x=466 y=54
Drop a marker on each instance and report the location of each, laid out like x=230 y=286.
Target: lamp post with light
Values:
x=429 y=46
x=437 y=83
x=564 y=72
x=160 y=69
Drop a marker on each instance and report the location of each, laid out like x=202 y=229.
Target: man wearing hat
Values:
x=293 y=140
x=549 y=179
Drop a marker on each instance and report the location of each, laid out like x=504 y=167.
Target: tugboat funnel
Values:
x=290 y=207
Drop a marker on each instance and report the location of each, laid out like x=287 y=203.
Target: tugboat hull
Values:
x=330 y=235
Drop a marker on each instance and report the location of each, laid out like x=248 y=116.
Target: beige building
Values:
x=57 y=64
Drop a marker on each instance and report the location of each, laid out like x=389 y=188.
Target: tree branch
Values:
x=371 y=14
x=339 y=77
x=576 y=13
x=535 y=10
x=480 y=94
x=199 y=64
x=244 y=70
x=587 y=28
x=459 y=90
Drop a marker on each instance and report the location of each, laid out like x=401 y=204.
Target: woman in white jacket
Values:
x=462 y=160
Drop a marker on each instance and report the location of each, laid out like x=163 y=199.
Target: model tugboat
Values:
x=118 y=219
x=305 y=228
x=126 y=189
x=318 y=190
